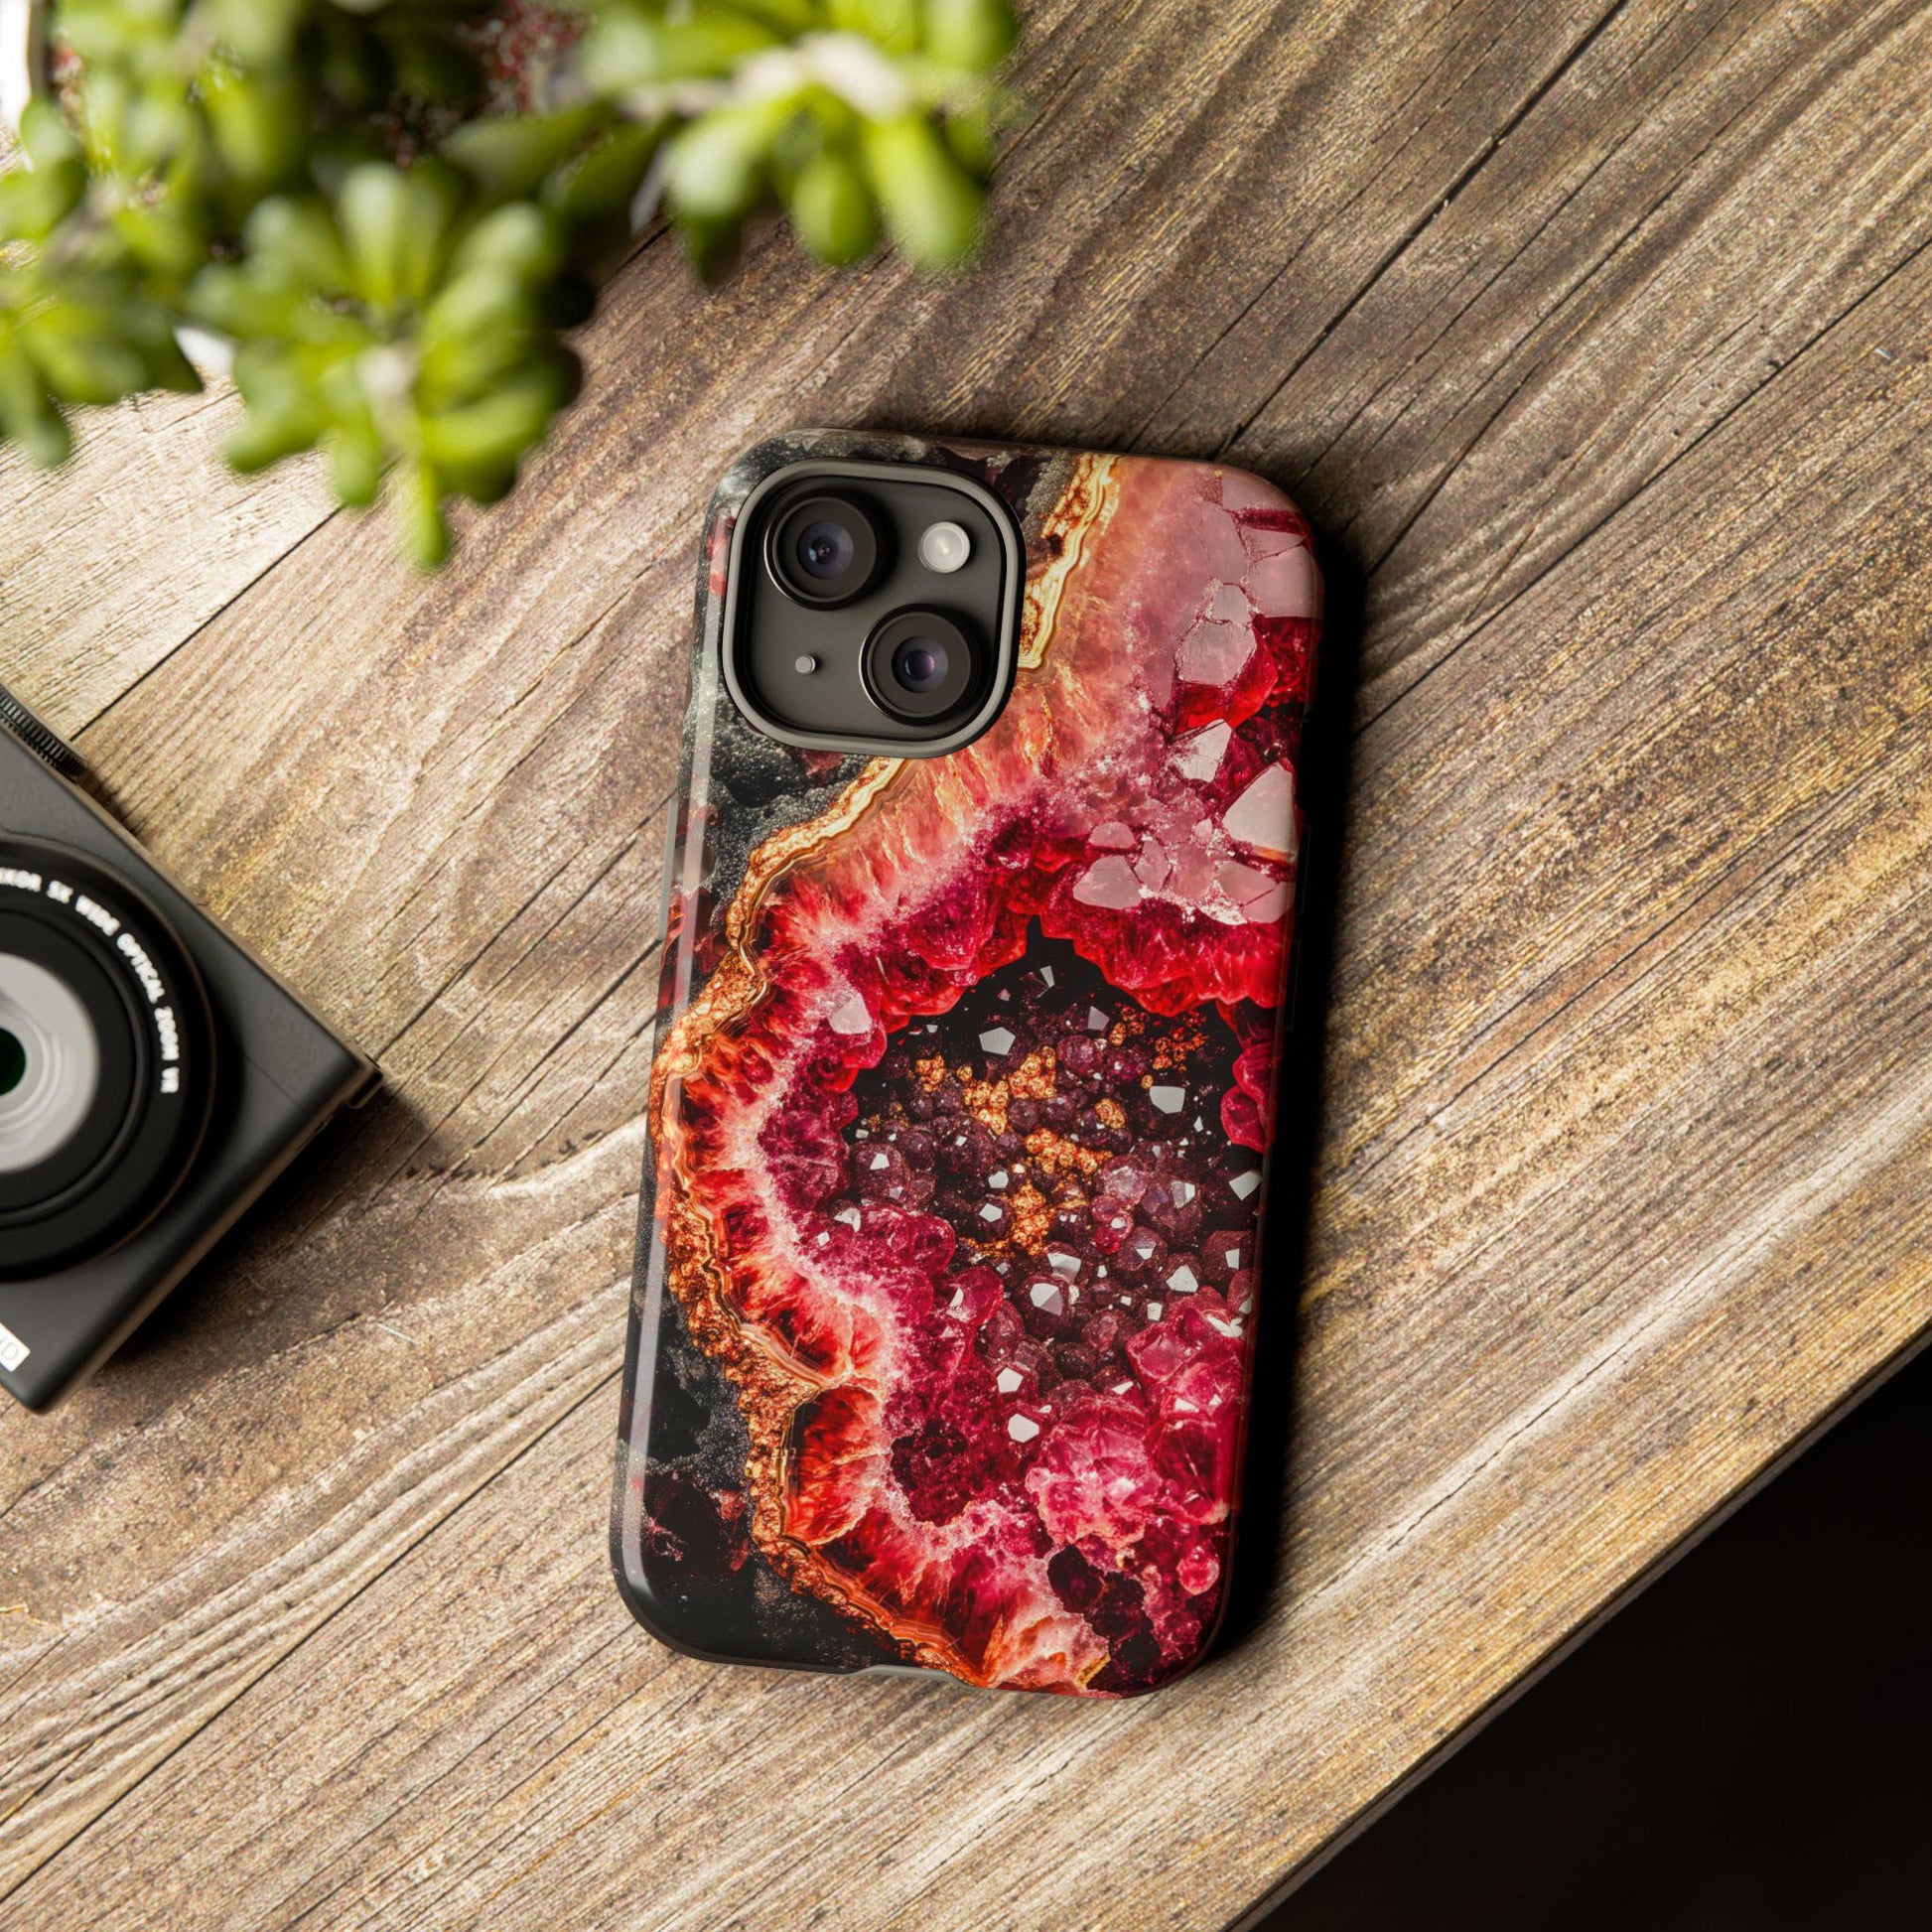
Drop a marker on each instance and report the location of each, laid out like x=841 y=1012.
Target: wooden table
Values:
x=1594 y=333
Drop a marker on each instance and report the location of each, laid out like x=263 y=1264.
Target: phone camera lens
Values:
x=919 y=664
x=824 y=550
x=921 y=667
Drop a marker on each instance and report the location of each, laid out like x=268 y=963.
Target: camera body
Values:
x=153 y=1077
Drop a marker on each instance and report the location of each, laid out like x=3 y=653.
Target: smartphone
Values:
x=980 y=898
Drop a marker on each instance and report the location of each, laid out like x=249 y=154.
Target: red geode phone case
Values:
x=948 y=1276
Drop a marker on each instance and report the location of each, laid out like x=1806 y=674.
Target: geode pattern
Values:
x=958 y=1112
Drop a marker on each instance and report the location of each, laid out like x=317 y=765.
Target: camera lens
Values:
x=49 y=1064
x=921 y=667
x=823 y=550
x=919 y=664
x=106 y=1059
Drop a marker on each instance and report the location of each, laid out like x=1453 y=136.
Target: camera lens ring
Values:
x=822 y=550
x=69 y=918
x=922 y=667
x=46 y=1151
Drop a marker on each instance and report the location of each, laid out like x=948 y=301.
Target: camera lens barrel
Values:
x=823 y=550
x=106 y=1059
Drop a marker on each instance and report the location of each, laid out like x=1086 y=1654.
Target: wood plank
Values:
x=1632 y=903
x=114 y=561
x=1618 y=278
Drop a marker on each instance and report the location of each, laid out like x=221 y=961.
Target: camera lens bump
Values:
x=920 y=667
x=823 y=550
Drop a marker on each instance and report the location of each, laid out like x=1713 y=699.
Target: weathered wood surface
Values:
x=1595 y=335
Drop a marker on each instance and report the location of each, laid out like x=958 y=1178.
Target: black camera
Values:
x=154 y=1079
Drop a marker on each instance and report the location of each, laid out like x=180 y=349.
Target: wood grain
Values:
x=1595 y=334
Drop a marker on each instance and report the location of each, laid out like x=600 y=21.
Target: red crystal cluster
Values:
x=961 y=1136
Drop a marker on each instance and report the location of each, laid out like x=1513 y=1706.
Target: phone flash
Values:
x=945 y=548
x=804 y=664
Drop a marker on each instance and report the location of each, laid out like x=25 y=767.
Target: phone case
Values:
x=948 y=1265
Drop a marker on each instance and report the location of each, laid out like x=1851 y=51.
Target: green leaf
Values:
x=34 y=201
x=520 y=238
x=394 y=225
x=972 y=34
x=479 y=314
x=28 y=416
x=261 y=31
x=425 y=533
x=356 y=462
x=257 y=123
x=477 y=449
x=256 y=446
x=930 y=203
x=295 y=244
x=82 y=362
x=973 y=137
x=631 y=46
x=395 y=277
x=511 y=156
x=831 y=209
x=893 y=24
x=166 y=237
x=601 y=185
x=45 y=136
x=715 y=168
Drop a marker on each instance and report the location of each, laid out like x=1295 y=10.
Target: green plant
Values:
x=381 y=208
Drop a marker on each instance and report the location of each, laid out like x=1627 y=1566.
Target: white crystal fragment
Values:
x=851 y=1016
x=1198 y=755
x=1109 y=882
x=1215 y=653
x=1285 y=585
x=1262 y=817
x=1262 y=900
